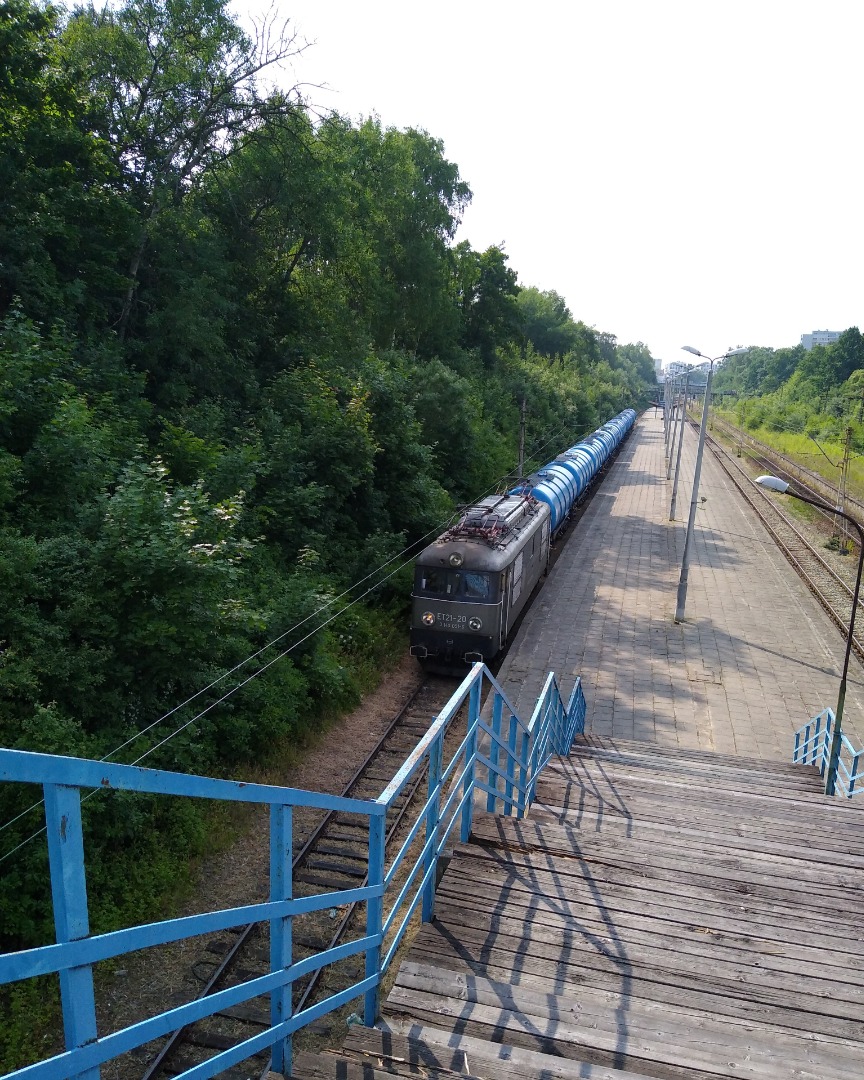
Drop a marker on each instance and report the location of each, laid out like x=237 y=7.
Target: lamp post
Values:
x=774 y=483
x=691 y=521
x=676 y=399
x=680 y=444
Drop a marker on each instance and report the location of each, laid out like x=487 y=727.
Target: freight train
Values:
x=472 y=583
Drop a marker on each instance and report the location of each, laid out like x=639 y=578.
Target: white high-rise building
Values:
x=819 y=337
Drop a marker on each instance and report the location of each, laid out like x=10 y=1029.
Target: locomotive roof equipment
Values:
x=471 y=584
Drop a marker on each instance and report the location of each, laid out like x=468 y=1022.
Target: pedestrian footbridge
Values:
x=608 y=909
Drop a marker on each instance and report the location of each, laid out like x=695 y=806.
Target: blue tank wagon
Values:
x=472 y=583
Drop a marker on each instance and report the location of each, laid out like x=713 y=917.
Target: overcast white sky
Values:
x=682 y=172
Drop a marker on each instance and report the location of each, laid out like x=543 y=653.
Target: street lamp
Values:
x=691 y=521
x=774 y=483
x=680 y=444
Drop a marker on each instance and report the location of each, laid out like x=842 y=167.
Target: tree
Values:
x=173 y=88
x=61 y=223
x=547 y=322
x=486 y=291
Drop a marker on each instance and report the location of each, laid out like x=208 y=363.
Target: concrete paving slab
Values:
x=755 y=657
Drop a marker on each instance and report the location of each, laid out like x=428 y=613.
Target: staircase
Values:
x=658 y=914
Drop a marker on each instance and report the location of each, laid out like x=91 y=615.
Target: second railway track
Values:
x=332 y=858
x=827 y=585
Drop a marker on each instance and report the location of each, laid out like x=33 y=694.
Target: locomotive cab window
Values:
x=456 y=584
x=475 y=586
x=432 y=580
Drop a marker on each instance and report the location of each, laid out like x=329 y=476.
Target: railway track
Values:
x=807 y=480
x=832 y=591
x=333 y=857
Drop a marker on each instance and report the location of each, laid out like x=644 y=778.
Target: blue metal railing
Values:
x=813 y=747
x=499 y=756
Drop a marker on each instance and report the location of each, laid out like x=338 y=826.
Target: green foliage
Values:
x=789 y=392
x=27 y=1008
x=243 y=366
x=547 y=322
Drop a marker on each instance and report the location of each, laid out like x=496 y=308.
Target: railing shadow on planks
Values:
x=813 y=747
x=506 y=773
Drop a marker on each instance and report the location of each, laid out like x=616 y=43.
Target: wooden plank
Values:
x=794 y=797
x=724 y=933
x=784 y=772
x=670 y=913
x=628 y=795
x=695 y=907
x=589 y=818
x=434 y=1049
x=592 y=775
x=624 y=790
x=748 y=839
x=600 y=743
x=623 y=1042
x=835 y=919
x=599 y=1009
x=735 y=869
x=580 y=944
x=539 y=965
x=505 y=1061
x=604 y=747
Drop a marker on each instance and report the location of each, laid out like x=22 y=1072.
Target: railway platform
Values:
x=756 y=655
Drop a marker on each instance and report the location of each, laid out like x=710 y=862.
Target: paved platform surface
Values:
x=756 y=655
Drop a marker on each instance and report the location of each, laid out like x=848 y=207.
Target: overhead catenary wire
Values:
x=536 y=451
x=220 y=700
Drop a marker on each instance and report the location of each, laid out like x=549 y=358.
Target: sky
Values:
x=683 y=173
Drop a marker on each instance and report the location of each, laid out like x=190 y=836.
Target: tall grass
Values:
x=805 y=452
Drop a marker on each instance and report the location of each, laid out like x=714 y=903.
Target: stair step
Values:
x=437 y=1048
x=405 y=1049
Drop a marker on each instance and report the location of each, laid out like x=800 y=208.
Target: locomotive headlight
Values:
x=427 y=618
x=456 y=559
x=475 y=623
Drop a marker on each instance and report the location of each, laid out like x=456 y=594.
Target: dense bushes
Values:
x=242 y=365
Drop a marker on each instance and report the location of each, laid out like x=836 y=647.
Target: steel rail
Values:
x=795 y=469
x=232 y=956
x=841 y=620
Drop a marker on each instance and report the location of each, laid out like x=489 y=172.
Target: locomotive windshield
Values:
x=454 y=584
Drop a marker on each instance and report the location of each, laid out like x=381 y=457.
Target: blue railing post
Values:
x=510 y=764
x=474 y=700
x=524 y=765
x=853 y=775
x=542 y=736
x=281 y=888
x=436 y=754
x=495 y=751
x=71 y=919
x=374 y=916
x=560 y=725
x=817 y=748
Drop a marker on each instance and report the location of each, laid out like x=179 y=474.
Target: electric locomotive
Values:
x=471 y=584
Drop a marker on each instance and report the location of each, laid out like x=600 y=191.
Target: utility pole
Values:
x=844 y=477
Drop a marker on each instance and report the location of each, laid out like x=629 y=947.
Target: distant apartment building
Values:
x=658 y=370
x=819 y=337
x=677 y=367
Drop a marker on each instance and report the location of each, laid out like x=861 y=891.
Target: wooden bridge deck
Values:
x=667 y=914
